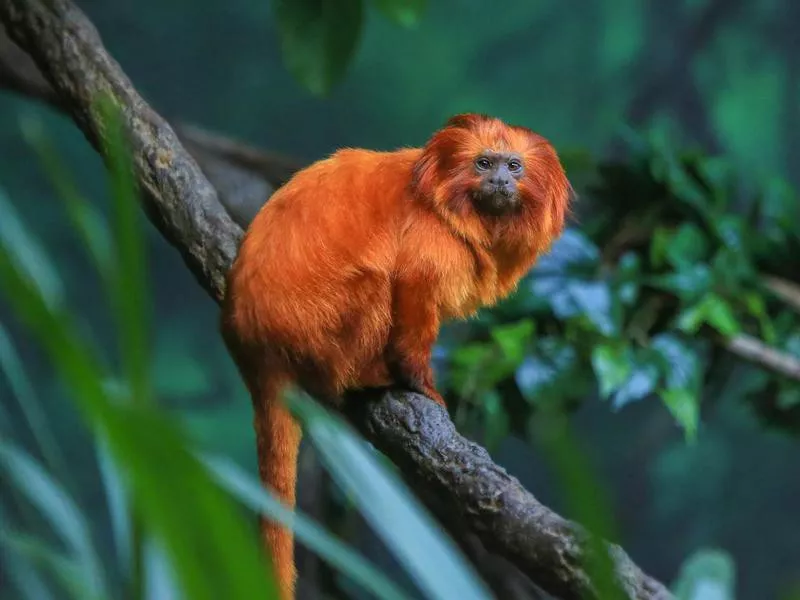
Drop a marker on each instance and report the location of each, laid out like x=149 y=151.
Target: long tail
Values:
x=278 y=441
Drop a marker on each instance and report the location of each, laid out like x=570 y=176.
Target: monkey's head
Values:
x=481 y=174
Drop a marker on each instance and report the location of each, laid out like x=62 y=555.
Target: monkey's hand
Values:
x=414 y=330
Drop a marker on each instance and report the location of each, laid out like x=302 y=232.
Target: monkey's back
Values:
x=311 y=286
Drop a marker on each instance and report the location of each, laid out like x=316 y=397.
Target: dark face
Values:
x=499 y=173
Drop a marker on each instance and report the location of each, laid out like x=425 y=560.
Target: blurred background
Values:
x=638 y=97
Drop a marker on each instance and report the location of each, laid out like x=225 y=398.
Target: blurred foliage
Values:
x=628 y=307
x=663 y=263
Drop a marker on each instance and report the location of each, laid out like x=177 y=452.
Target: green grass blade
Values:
x=27 y=256
x=214 y=554
x=340 y=556
x=430 y=557
x=25 y=579
x=128 y=286
x=118 y=508
x=60 y=511
x=84 y=218
x=29 y=404
x=66 y=571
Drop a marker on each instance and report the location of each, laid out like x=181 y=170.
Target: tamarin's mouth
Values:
x=498 y=203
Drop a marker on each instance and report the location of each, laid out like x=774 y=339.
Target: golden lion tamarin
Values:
x=345 y=275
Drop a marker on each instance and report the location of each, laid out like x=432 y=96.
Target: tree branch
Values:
x=442 y=466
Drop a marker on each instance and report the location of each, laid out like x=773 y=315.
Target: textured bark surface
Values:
x=456 y=478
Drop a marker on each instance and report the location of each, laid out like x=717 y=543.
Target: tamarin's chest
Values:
x=468 y=284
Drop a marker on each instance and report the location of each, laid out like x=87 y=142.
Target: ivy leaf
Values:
x=688 y=283
x=513 y=339
x=714 y=311
x=641 y=382
x=318 y=38
x=684 y=406
x=571 y=251
x=403 y=12
x=681 y=362
x=612 y=365
x=596 y=302
x=564 y=278
x=683 y=367
x=548 y=371
x=687 y=245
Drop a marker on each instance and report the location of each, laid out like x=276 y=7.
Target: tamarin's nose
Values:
x=499 y=180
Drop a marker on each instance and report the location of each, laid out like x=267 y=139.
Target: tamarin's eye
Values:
x=514 y=165
x=483 y=163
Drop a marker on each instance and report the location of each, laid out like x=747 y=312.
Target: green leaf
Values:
x=550 y=371
x=688 y=282
x=340 y=556
x=641 y=383
x=127 y=288
x=612 y=365
x=514 y=338
x=318 y=39
x=565 y=278
x=681 y=362
x=712 y=310
x=684 y=405
x=687 y=245
x=432 y=559
x=683 y=366
x=706 y=575
x=403 y=12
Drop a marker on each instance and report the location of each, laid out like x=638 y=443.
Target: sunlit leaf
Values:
x=513 y=338
x=714 y=311
x=318 y=39
x=431 y=558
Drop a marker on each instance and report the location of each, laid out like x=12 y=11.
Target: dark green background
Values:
x=725 y=75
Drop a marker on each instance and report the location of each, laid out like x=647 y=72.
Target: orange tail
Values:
x=278 y=441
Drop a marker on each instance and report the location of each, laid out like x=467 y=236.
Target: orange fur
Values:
x=344 y=276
